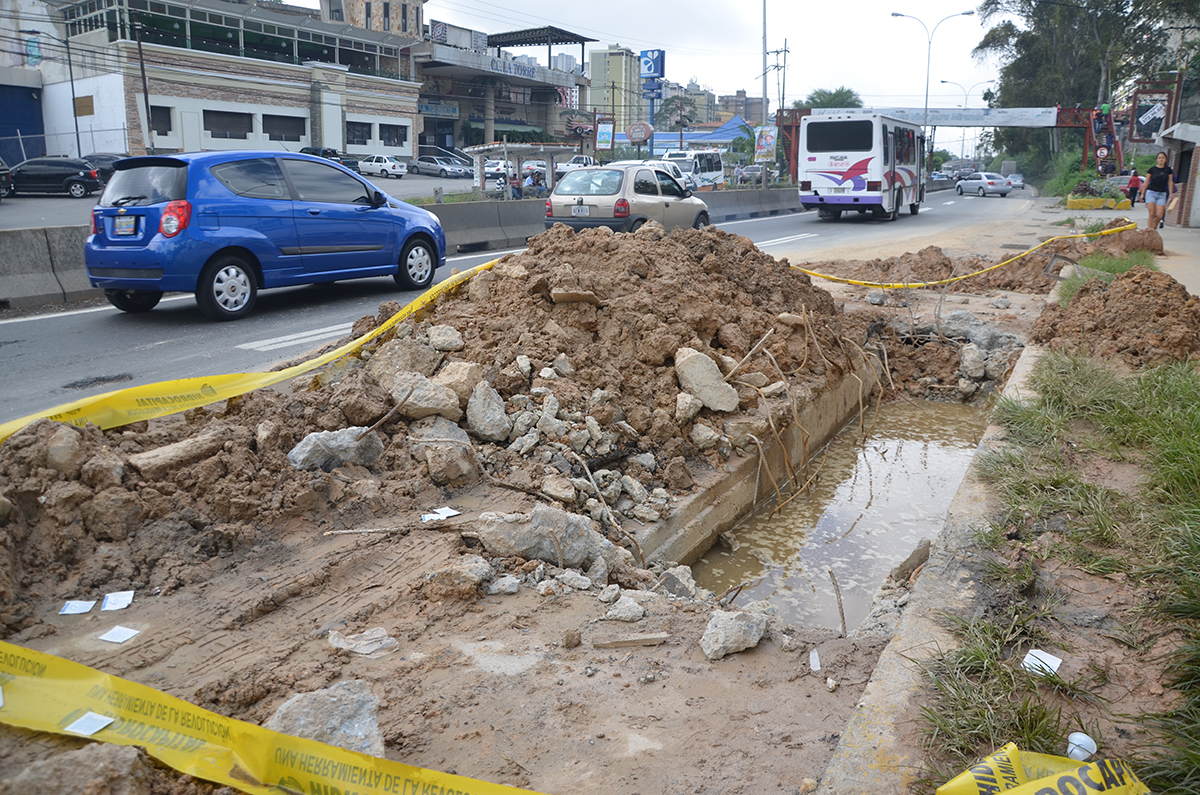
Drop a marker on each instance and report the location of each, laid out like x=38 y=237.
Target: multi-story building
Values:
x=616 y=87
x=704 y=100
x=739 y=104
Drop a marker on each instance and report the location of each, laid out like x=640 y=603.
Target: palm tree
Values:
x=840 y=97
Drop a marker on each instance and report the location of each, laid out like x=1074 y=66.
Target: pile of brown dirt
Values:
x=1033 y=273
x=1143 y=317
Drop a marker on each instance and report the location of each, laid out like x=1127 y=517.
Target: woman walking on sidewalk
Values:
x=1135 y=183
x=1158 y=190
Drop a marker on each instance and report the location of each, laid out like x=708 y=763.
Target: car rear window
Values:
x=152 y=183
x=601 y=182
x=259 y=178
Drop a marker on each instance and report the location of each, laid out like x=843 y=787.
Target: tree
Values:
x=669 y=112
x=840 y=97
x=744 y=143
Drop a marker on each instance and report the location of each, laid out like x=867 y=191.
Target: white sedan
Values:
x=382 y=165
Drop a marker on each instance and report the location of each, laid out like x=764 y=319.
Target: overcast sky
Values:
x=852 y=43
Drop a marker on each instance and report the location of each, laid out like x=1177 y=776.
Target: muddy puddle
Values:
x=873 y=502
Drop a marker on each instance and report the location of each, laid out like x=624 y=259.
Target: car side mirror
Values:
x=687 y=194
x=377 y=200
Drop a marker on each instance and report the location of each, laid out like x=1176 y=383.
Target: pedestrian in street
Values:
x=1135 y=182
x=1158 y=190
x=739 y=175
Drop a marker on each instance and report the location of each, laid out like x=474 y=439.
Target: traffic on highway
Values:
x=68 y=354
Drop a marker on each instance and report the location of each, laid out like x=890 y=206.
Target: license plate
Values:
x=125 y=225
x=837 y=190
x=580 y=209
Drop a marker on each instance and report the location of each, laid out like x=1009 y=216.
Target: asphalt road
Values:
x=55 y=358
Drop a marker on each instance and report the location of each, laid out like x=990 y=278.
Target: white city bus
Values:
x=703 y=164
x=861 y=162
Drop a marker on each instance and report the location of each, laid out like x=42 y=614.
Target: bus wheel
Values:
x=913 y=209
x=828 y=214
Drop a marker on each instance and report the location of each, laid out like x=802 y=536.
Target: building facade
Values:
x=616 y=85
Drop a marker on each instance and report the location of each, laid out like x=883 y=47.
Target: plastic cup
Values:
x=1080 y=746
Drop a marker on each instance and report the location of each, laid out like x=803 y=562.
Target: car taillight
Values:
x=874 y=186
x=93 y=174
x=175 y=218
x=549 y=209
x=990 y=182
x=96 y=223
x=806 y=185
x=621 y=209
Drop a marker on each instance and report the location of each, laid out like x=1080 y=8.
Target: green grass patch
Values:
x=982 y=697
x=1102 y=266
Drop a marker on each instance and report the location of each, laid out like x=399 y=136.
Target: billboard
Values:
x=652 y=63
x=604 y=136
x=1150 y=109
x=764 y=143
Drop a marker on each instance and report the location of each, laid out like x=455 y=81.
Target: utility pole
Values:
x=145 y=86
x=764 y=79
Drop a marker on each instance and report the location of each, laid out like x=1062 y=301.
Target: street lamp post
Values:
x=71 y=74
x=929 y=55
x=962 y=153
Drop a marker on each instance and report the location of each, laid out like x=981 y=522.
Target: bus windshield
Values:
x=839 y=136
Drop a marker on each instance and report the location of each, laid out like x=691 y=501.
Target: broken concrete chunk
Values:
x=971 y=361
x=561 y=296
x=730 y=632
x=610 y=594
x=375 y=642
x=156 y=464
x=633 y=487
x=423 y=397
x=445 y=338
x=625 y=609
x=704 y=437
x=774 y=390
x=547 y=533
x=361 y=398
x=753 y=379
x=343 y=715
x=64 y=451
x=461 y=576
x=486 y=416
x=327 y=450
x=562 y=365
x=559 y=488
x=699 y=375
x=403 y=355
x=506 y=585
x=678 y=581
x=461 y=377
x=95 y=768
x=914 y=561
x=573 y=579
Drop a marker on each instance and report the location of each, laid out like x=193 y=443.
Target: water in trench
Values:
x=872 y=504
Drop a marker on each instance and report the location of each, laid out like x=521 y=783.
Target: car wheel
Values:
x=417 y=264
x=636 y=226
x=226 y=289
x=958 y=189
x=1002 y=195
x=133 y=300
x=982 y=193
x=702 y=221
x=442 y=173
x=8 y=190
x=77 y=190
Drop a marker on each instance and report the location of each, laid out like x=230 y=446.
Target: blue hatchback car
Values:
x=224 y=225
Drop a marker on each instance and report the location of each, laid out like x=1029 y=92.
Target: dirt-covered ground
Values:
x=550 y=380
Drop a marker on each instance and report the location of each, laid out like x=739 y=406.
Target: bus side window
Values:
x=885 y=145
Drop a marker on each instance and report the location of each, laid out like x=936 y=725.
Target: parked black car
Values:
x=69 y=175
x=103 y=161
x=5 y=179
x=349 y=161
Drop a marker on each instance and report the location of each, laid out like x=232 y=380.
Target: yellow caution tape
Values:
x=1020 y=772
x=123 y=406
x=47 y=693
x=897 y=286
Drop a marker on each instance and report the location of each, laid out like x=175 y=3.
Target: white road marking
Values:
x=299 y=338
x=782 y=240
x=947 y=204
x=751 y=220
x=86 y=311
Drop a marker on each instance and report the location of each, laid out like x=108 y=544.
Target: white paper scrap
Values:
x=72 y=608
x=119 y=634
x=117 y=601
x=439 y=513
x=814 y=660
x=1041 y=662
x=89 y=724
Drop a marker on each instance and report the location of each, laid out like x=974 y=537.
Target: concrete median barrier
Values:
x=521 y=220
x=43 y=266
x=469 y=224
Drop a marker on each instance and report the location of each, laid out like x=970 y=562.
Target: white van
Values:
x=703 y=164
